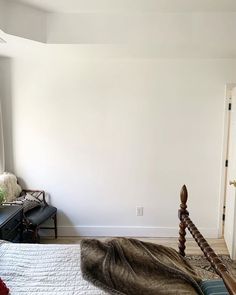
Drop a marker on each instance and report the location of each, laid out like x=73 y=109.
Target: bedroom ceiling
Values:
x=74 y=6
x=125 y=28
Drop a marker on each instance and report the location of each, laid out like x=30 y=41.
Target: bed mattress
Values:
x=34 y=269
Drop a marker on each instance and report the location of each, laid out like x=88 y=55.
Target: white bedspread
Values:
x=34 y=269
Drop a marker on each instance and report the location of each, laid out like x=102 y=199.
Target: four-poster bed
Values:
x=56 y=269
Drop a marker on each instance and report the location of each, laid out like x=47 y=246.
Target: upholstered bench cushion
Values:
x=214 y=287
x=38 y=215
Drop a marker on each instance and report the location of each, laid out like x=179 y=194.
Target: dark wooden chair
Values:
x=34 y=218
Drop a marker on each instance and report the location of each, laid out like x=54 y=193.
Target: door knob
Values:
x=233 y=183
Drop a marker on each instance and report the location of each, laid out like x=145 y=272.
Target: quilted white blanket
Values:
x=33 y=269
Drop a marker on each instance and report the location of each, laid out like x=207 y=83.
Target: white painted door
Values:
x=230 y=198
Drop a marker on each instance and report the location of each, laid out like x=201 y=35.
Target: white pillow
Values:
x=8 y=182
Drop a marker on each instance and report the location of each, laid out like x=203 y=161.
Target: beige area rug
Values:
x=204 y=269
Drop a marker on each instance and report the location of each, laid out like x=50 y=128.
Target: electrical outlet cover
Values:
x=139 y=211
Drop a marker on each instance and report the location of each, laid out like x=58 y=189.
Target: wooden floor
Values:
x=218 y=245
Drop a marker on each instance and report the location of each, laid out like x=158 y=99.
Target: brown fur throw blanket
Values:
x=131 y=267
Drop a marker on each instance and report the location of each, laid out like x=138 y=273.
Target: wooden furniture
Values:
x=34 y=218
x=217 y=264
x=36 y=210
x=11 y=223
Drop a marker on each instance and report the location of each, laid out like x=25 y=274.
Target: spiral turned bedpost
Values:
x=186 y=223
x=211 y=256
x=182 y=226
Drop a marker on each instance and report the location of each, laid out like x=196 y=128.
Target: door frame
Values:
x=228 y=93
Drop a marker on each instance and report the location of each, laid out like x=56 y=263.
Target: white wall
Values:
x=122 y=119
x=103 y=136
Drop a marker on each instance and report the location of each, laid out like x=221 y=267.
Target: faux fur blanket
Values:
x=131 y=267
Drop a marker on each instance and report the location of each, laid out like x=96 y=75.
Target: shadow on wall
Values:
x=6 y=100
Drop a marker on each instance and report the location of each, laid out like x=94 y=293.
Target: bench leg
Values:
x=55 y=225
x=36 y=235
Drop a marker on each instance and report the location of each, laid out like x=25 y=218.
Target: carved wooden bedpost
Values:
x=216 y=263
x=182 y=225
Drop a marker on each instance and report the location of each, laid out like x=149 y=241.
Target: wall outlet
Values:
x=139 y=211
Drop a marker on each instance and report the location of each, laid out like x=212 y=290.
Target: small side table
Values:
x=11 y=223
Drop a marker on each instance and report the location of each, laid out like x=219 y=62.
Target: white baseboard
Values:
x=131 y=231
